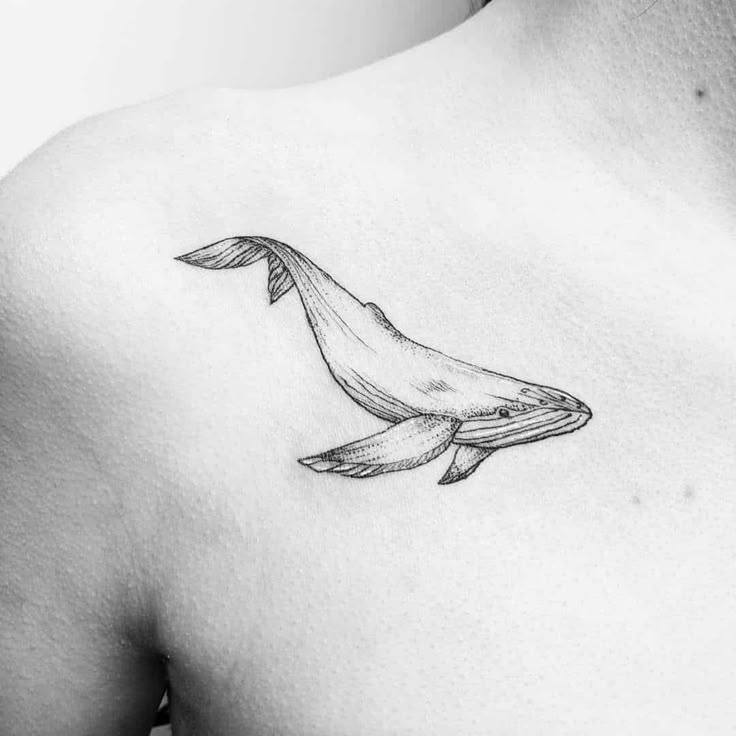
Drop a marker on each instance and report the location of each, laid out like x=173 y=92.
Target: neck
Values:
x=656 y=82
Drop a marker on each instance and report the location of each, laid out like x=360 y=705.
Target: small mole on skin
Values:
x=689 y=492
x=636 y=500
x=700 y=92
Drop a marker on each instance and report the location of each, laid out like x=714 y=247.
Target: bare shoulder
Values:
x=137 y=397
x=94 y=351
x=71 y=607
x=134 y=414
x=153 y=415
x=112 y=351
x=92 y=298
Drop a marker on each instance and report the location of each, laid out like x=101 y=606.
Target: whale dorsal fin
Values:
x=377 y=311
x=466 y=461
x=379 y=315
x=405 y=445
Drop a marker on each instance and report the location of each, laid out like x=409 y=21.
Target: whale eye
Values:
x=503 y=413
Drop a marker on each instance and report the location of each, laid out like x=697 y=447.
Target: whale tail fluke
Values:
x=279 y=279
x=405 y=445
x=243 y=251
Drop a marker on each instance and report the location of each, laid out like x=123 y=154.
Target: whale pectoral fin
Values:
x=405 y=445
x=466 y=461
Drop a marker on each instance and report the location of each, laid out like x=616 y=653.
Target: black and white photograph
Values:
x=367 y=368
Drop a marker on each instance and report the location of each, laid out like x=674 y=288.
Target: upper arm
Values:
x=76 y=649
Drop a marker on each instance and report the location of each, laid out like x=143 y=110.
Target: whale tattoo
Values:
x=431 y=400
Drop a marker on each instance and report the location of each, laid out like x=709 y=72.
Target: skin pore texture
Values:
x=547 y=190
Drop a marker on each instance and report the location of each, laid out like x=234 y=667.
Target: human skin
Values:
x=577 y=200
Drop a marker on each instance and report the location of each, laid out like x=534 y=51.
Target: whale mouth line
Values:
x=527 y=428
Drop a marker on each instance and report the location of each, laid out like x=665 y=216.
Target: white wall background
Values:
x=61 y=60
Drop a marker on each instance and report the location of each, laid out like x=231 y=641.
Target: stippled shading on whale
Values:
x=432 y=401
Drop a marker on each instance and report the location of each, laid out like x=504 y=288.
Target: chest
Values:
x=583 y=580
x=504 y=607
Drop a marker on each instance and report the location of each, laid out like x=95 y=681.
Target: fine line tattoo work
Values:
x=432 y=400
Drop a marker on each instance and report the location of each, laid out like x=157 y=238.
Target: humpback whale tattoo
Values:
x=431 y=400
